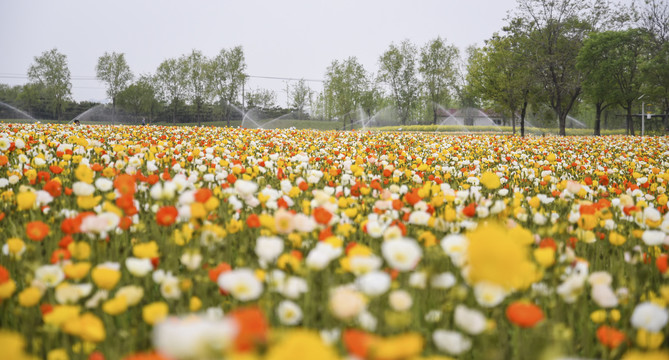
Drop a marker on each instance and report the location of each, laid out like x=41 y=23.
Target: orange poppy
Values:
x=37 y=230
x=55 y=169
x=54 y=188
x=125 y=223
x=662 y=263
x=253 y=328
x=322 y=216
x=4 y=275
x=357 y=342
x=65 y=241
x=59 y=255
x=253 y=221
x=524 y=314
x=202 y=195
x=125 y=184
x=412 y=197
x=71 y=225
x=218 y=270
x=146 y=356
x=610 y=337
x=167 y=215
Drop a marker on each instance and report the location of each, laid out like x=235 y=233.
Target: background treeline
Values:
x=596 y=60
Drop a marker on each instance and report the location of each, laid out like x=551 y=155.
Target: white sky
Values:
x=287 y=38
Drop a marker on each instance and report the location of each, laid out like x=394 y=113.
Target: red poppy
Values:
x=524 y=314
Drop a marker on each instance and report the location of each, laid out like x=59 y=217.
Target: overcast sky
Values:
x=281 y=38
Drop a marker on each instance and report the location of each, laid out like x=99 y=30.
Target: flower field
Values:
x=207 y=243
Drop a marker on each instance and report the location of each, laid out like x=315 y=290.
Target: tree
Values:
x=197 y=82
x=261 y=99
x=371 y=96
x=438 y=68
x=227 y=77
x=655 y=20
x=29 y=96
x=140 y=97
x=620 y=55
x=556 y=30
x=171 y=82
x=301 y=96
x=656 y=77
x=113 y=70
x=502 y=72
x=344 y=84
x=50 y=71
x=398 y=71
x=599 y=86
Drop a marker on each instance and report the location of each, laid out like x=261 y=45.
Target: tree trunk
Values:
x=199 y=113
x=598 y=118
x=174 y=113
x=513 y=121
x=227 y=114
x=630 y=123
x=562 y=121
x=113 y=110
x=434 y=112
x=523 y=111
